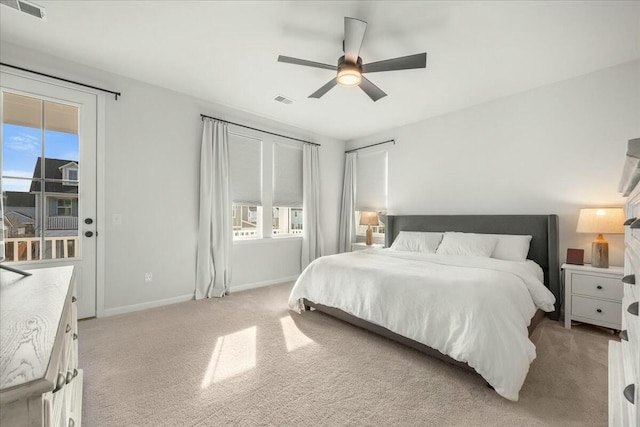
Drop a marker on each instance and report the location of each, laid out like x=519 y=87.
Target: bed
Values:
x=475 y=313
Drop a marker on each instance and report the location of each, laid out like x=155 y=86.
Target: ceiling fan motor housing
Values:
x=349 y=74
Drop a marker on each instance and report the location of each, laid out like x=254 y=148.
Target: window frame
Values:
x=70 y=206
x=265 y=212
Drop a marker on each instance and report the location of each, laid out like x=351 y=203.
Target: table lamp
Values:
x=601 y=221
x=369 y=218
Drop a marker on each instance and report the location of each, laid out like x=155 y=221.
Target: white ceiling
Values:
x=226 y=52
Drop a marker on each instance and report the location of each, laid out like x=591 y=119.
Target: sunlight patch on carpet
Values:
x=293 y=337
x=232 y=355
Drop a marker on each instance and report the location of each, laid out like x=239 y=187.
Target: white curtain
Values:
x=213 y=261
x=347 y=232
x=312 y=246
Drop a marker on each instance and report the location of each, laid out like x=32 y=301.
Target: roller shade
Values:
x=245 y=157
x=371 y=181
x=27 y=111
x=287 y=175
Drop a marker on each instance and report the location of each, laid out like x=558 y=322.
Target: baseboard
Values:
x=145 y=305
x=246 y=286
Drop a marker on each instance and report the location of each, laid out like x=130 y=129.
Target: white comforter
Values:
x=476 y=310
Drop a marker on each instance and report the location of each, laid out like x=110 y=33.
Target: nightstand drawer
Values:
x=603 y=311
x=597 y=286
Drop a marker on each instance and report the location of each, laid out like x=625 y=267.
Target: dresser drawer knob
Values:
x=75 y=337
x=599 y=286
x=630 y=279
x=60 y=382
x=75 y=373
x=68 y=328
x=69 y=376
x=629 y=392
x=624 y=335
x=629 y=221
x=71 y=422
x=599 y=310
x=633 y=308
x=635 y=224
x=74 y=299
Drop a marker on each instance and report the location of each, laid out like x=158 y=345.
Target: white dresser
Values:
x=40 y=383
x=624 y=356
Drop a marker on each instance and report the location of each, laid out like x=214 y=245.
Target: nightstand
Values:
x=361 y=245
x=593 y=295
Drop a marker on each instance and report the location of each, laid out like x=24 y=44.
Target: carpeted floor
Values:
x=246 y=360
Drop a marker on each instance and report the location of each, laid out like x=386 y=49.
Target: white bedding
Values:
x=476 y=310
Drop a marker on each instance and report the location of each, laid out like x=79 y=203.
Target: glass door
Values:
x=48 y=139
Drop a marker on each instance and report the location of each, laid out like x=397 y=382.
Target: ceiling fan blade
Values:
x=353 y=35
x=403 y=63
x=324 y=89
x=296 y=61
x=372 y=90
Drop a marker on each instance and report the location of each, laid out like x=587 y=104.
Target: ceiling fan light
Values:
x=349 y=76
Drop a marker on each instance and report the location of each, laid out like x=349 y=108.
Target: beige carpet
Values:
x=247 y=360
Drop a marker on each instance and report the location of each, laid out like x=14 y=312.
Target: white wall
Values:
x=151 y=164
x=554 y=149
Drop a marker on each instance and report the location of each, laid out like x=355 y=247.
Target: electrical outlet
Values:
x=148 y=277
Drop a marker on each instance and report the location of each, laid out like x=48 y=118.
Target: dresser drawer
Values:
x=598 y=310
x=597 y=286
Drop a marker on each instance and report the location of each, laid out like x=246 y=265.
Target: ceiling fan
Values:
x=350 y=68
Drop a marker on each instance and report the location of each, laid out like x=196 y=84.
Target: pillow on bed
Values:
x=417 y=241
x=471 y=244
x=511 y=247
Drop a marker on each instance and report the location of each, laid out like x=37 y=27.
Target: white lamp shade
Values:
x=368 y=218
x=601 y=221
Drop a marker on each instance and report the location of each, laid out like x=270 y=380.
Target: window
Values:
x=266 y=176
x=64 y=207
x=73 y=174
x=287 y=190
x=371 y=190
x=287 y=221
x=246 y=221
x=245 y=157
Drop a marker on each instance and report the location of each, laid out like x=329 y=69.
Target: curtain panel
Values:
x=312 y=245
x=213 y=260
x=347 y=230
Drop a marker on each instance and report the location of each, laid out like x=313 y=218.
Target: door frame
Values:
x=100 y=174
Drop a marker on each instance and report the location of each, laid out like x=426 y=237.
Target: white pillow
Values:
x=511 y=247
x=471 y=244
x=417 y=241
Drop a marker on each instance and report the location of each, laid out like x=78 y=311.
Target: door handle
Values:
x=88 y=233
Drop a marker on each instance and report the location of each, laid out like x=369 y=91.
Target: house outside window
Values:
x=69 y=173
x=246 y=221
x=287 y=221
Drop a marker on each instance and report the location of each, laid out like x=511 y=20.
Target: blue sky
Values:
x=21 y=147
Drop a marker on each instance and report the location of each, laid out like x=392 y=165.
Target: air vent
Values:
x=282 y=99
x=26 y=7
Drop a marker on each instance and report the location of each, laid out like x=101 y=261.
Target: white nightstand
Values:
x=361 y=245
x=593 y=295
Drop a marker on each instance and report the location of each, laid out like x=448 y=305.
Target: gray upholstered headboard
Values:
x=544 y=229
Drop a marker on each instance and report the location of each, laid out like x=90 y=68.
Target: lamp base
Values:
x=600 y=253
x=369 y=238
